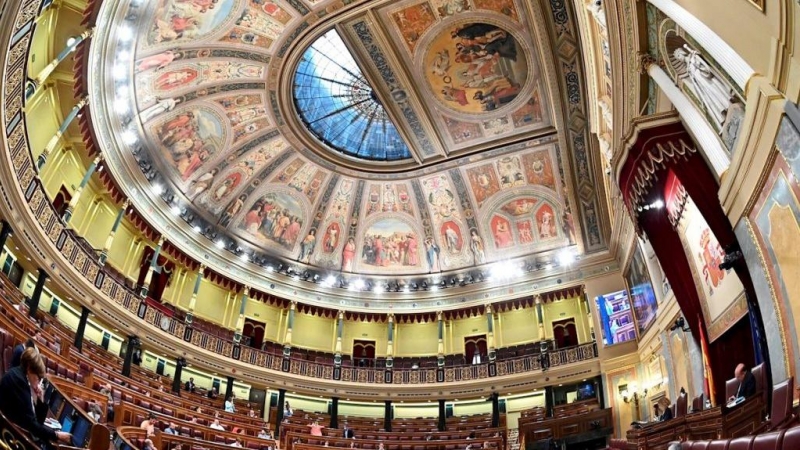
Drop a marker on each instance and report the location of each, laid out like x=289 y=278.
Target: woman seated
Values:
x=229 y=405
x=23 y=397
x=664 y=403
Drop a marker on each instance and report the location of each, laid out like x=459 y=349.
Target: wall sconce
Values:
x=632 y=396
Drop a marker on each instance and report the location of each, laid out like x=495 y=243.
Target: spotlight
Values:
x=306 y=275
x=220 y=244
x=330 y=280
x=359 y=284
x=425 y=285
x=158 y=189
x=378 y=289
x=270 y=269
x=453 y=281
x=128 y=136
x=443 y=284
x=566 y=257
x=281 y=267
x=316 y=278
x=414 y=286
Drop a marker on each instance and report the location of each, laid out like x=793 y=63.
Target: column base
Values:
x=102 y=258
x=143 y=291
x=67 y=215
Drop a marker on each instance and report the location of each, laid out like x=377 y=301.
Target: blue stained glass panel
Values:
x=338 y=105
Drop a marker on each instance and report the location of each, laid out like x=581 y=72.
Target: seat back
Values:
x=731 y=386
x=700 y=445
x=791 y=438
x=697 y=403
x=681 y=405
x=782 y=399
x=761 y=381
x=768 y=441
x=742 y=443
x=718 y=445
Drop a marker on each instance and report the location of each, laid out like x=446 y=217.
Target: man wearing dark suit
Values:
x=189 y=385
x=349 y=433
x=747 y=382
x=23 y=398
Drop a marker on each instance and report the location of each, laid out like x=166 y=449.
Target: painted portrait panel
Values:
x=330 y=241
x=177 y=21
x=391 y=243
x=475 y=67
x=645 y=305
x=461 y=131
x=525 y=232
x=505 y=7
x=484 y=182
x=501 y=232
x=451 y=236
x=539 y=169
x=276 y=217
x=521 y=206
x=776 y=226
x=412 y=22
x=546 y=222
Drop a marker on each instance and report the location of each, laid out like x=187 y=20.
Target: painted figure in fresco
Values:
x=712 y=92
x=476 y=245
x=452 y=94
x=331 y=238
x=307 y=246
x=348 y=255
x=441 y=64
x=232 y=209
x=202 y=183
x=546 y=225
x=502 y=234
x=158 y=61
x=413 y=258
x=160 y=107
x=432 y=254
x=451 y=237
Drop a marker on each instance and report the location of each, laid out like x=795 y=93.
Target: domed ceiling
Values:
x=376 y=138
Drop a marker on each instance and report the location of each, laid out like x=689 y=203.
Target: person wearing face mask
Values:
x=23 y=398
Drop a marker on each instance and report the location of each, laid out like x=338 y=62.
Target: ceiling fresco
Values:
x=213 y=92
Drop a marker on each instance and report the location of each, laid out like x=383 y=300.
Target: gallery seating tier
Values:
x=307 y=442
x=780 y=440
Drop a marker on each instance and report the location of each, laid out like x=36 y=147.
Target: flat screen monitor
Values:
x=80 y=432
x=586 y=391
x=68 y=411
x=66 y=425
x=55 y=402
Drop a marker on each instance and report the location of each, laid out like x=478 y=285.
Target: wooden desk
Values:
x=560 y=428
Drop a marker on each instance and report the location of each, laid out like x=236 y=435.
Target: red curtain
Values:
x=254 y=330
x=692 y=171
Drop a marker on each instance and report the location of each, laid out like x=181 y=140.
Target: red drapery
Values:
x=160 y=280
x=659 y=154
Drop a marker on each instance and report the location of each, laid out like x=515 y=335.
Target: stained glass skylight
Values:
x=338 y=105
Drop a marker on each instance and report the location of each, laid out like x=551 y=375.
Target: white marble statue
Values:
x=709 y=89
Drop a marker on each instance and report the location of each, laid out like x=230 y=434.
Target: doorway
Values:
x=254 y=330
x=565 y=333
x=61 y=201
x=475 y=349
x=363 y=353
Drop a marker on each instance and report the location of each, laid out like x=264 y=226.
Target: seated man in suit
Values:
x=747 y=383
x=349 y=433
x=189 y=385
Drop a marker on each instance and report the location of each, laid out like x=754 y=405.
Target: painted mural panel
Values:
x=775 y=224
x=389 y=243
x=476 y=67
x=413 y=22
x=274 y=218
x=190 y=138
x=176 y=21
x=645 y=305
x=720 y=291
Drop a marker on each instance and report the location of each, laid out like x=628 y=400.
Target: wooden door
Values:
x=565 y=333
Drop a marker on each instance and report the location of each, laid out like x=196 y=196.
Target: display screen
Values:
x=616 y=317
x=645 y=306
x=586 y=391
x=80 y=432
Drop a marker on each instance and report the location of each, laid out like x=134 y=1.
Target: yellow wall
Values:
x=313 y=332
x=753 y=41
x=307 y=404
x=361 y=409
x=413 y=410
x=472 y=408
x=516 y=327
x=367 y=331
x=565 y=309
x=416 y=339
x=459 y=329
x=269 y=315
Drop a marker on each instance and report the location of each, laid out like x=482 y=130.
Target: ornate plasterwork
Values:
x=228 y=149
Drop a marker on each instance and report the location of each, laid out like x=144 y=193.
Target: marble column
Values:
x=153 y=263
x=237 y=334
x=180 y=363
x=37 y=293
x=51 y=144
x=193 y=300
x=110 y=239
x=76 y=196
x=490 y=334
x=81 y=331
x=440 y=345
x=52 y=65
x=287 y=341
x=390 y=343
x=337 y=356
